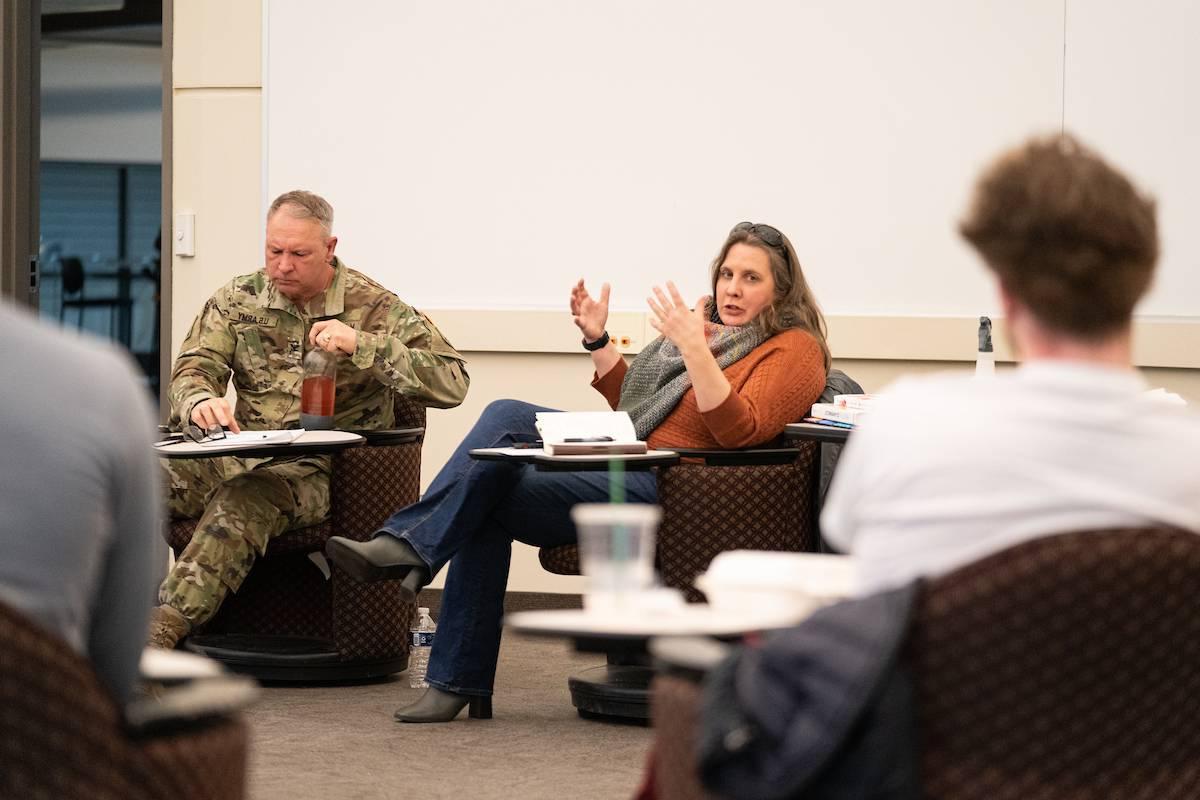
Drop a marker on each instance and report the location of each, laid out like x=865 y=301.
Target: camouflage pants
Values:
x=242 y=504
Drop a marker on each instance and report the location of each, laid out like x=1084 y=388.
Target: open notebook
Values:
x=587 y=433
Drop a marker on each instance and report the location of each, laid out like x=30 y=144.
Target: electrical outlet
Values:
x=627 y=329
x=623 y=341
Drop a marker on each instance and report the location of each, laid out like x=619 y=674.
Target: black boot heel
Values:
x=413 y=583
x=480 y=708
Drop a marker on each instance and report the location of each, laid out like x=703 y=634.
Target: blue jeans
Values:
x=471 y=513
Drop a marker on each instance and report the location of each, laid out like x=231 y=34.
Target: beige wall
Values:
x=216 y=147
x=217 y=169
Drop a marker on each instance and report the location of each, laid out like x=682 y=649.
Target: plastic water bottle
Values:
x=985 y=359
x=421 y=637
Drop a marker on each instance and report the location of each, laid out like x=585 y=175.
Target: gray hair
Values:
x=304 y=205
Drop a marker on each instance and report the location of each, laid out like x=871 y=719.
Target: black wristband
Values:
x=596 y=345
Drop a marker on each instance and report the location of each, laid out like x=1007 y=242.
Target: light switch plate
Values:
x=185 y=234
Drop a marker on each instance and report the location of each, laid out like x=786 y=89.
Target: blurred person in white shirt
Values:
x=948 y=469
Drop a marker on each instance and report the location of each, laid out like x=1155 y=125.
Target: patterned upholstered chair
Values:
x=1064 y=668
x=675 y=711
x=716 y=500
x=759 y=499
x=62 y=734
x=289 y=620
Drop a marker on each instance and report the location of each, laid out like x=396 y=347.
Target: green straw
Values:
x=616 y=481
x=616 y=494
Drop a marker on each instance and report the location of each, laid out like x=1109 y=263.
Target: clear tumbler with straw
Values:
x=616 y=547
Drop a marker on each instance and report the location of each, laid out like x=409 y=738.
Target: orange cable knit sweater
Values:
x=772 y=385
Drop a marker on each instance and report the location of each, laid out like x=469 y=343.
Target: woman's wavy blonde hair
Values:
x=794 y=305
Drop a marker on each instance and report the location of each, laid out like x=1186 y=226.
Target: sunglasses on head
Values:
x=770 y=235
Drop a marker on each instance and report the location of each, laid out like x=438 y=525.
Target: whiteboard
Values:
x=485 y=155
x=1133 y=90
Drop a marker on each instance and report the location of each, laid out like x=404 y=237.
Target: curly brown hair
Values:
x=1069 y=236
x=793 y=305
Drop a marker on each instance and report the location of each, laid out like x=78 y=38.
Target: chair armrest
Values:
x=690 y=657
x=730 y=458
x=190 y=705
x=391 y=436
x=599 y=463
x=826 y=434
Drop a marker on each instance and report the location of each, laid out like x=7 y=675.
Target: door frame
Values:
x=166 y=252
x=20 y=149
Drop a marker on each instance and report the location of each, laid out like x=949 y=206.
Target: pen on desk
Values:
x=582 y=439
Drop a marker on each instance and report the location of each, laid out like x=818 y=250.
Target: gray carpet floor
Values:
x=341 y=741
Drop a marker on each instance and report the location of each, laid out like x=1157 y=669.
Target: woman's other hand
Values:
x=588 y=313
x=683 y=326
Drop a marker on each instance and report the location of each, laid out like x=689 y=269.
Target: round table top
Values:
x=692 y=619
x=308 y=442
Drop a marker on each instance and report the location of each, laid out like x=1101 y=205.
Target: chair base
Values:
x=288 y=658
x=613 y=692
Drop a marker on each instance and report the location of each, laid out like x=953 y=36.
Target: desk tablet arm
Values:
x=391 y=436
x=732 y=458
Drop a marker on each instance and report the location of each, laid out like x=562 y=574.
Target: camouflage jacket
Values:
x=250 y=330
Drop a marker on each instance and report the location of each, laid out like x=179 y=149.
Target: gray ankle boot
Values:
x=438 y=706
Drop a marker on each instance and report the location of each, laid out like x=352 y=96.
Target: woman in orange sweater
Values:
x=729 y=372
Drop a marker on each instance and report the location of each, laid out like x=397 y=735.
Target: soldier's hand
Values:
x=213 y=412
x=333 y=335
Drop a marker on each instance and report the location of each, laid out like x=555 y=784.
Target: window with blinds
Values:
x=100 y=266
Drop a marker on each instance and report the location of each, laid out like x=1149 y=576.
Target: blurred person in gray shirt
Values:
x=80 y=551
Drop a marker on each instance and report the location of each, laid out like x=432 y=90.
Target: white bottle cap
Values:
x=423 y=611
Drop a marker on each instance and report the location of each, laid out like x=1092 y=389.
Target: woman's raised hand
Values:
x=673 y=318
x=588 y=313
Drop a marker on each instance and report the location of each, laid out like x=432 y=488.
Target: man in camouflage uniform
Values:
x=257 y=328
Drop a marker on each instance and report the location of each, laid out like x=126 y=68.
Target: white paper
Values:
x=255 y=437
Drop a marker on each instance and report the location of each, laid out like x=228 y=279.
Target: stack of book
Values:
x=846 y=410
x=587 y=433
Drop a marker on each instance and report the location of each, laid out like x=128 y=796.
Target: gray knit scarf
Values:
x=657 y=379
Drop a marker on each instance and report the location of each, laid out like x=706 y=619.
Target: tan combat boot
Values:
x=167 y=627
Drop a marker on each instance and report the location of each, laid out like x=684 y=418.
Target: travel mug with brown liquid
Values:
x=316 y=393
